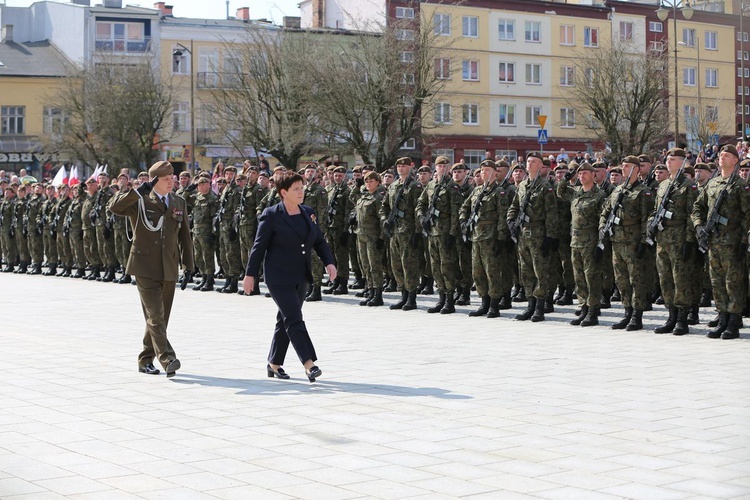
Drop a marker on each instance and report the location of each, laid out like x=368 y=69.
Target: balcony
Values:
x=124 y=46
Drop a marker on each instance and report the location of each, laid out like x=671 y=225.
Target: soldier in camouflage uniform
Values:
x=563 y=262
x=337 y=233
x=370 y=243
x=272 y=195
x=250 y=197
x=8 y=230
x=35 y=228
x=356 y=189
x=703 y=174
x=57 y=231
x=727 y=244
x=648 y=177
x=103 y=221
x=482 y=220
x=90 y=245
x=205 y=208
x=462 y=179
x=186 y=190
x=229 y=243
x=397 y=214
x=628 y=242
x=585 y=203
x=73 y=225
x=675 y=244
x=22 y=230
x=120 y=233
x=426 y=281
x=437 y=212
x=49 y=242
x=536 y=235
x=608 y=276
x=317 y=199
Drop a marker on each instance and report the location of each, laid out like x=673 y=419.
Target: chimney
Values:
x=113 y=4
x=7 y=33
x=243 y=13
x=164 y=9
x=292 y=22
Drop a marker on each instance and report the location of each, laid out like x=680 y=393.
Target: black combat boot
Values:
x=391 y=286
x=209 y=284
x=36 y=268
x=539 y=311
x=334 y=285
x=714 y=322
x=465 y=298
x=110 y=276
x=604 y=303
x=80 y=273
x=93 y=274
x=615 y=295
x=580 y=316
x=125 y=279
x=549 y=306
x=733 y=327
x=429 y=286
x=483 y=309
x=9 y=268
x=529 y=311
x=721 y=323
x=377 y=298
x=227 y=281
x=23 y=268
x=342 y=289
x=692 y=318
x=494 y=312
x=65 y=269
x=591 y=318
x=449 y=307
x=440 y=303
x=521 y=295
x=706 y=298
x=400 y=303
x=567 y=297
x=505 y=302
x=559 y=293
x=636 y=321
x=359 y=281
x=198 y=285
x=681 y=326
x=365 y=292
x=368 y=296
x=315 y=294
x=233 y=282
x=51 y=270
x=671 y=322
x=411 y=301
x=623 y=323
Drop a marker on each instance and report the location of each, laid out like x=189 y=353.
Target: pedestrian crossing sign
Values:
x=542 y=136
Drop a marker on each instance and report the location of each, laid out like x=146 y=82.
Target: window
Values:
x=180 y=64
x=747 y=72
x=55 y=121
x=655 y=27
x=442 y=24
x=711 y=40
x=405 y=34
x=533 y=31
x=470 y=70
x=744 y=36
x=567 y=76
x=533 y=74
x=473 y=157
x=180 y=116
x=409 y=144
x=407 y=56
x=532 y=115
x=511 y=154
x=712 y=77
x=739 y=55
x=12 y=118
x=590 y=75
x=590 y=37
x=688 y=37
x=471 y=114
x=626 y=31
x=688 y=77
x=442 y=112
x=507 y=114
x=689 y=111
x=407 y=78
x=712 y=114
x=470 y=26
x=746 y=55
x=567 y=35
x=739 y=89
x=506 y=29
x=444 y=152
x=443 y=68
x=208 y=67
x=404 y=13
x=567 y=117
x=655 y=46
x=507 y=72
x=121 y=37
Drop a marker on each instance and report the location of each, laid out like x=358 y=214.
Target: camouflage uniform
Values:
x=90 y=245
x=61 y=236
x=229 y=244
x=317 y=199
x=356 y=190
x=10 y=250
x=22 y=231
x=463 y=248
x=370 y=244
x=562 y=261
x=49 y=242
x=337 y=233
x=205 y=208
x=121 y=242
x=35 y=226
x=73 y=226
x=250 y=198
x=270 y=199
x=405 y=244
x=608 y=276
x=104 y=231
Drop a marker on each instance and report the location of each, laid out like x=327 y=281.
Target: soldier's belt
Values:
x=529 y=225
x=673 y=222
x=202 y=225
x=633 y=222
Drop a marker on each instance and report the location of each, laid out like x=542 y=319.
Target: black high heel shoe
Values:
x=313 y=373
x=280 y=373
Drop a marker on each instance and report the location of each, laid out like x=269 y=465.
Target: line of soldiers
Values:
x=637 y=232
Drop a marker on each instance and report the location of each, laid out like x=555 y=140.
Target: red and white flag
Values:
x=61 y=177
x=74 y=179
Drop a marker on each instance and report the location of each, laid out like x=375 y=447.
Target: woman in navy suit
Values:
x=287 y=234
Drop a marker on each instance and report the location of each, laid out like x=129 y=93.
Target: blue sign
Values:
x=542 y=136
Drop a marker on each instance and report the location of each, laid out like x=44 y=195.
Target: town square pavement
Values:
x=410 y=405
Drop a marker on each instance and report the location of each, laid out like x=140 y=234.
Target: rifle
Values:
x=612 y=218
x=428 y=221
x=53 y=225
x=657 y=224
x=390 y=222
x=650 y=176
x=333 y=208
x=714 y=218
x=222 y=210
x=25 y=222
x=522 y=218
x=94 y=214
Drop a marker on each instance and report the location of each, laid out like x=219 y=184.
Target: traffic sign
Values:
x=542 y=136
x=542 y=119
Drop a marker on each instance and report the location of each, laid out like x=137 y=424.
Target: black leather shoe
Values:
x=149 y=369
x=279 y=373
x=313 y=373
x=172 y=367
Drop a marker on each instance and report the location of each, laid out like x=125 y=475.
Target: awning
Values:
x=20 y=144
x=229 y=152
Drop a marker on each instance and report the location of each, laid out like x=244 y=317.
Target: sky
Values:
x=210 y=9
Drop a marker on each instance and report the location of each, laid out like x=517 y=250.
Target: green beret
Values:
x=535 y=154
x=702 y=166
x=459 y=166
x=632 y=159
x=676 y=152
x=488 y=163
x=339 y=170
x=231 y=169
x=404 y=160
x=502 y=164
x=644 y=158
x=599 y=164
x=161 y=169
x=586 y=166
x=424 y=169
x=728 y=148
x=442 y=159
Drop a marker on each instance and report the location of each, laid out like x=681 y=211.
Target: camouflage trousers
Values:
x=370 y=259
x=588 y=275
x=50 y=246
x=443 y=263
x=64 y=249
x=426 y=259
x=562 y=265
x=340 y=248
x=406 y=251
x=674 y=273
x=106 y=247
x=230 y=250
x=10 y=250
x=35 y=242
x=534 y=267
x=490 y=272
x=204 y=247
x=22 y=244
x=630 y=274
x=727 y=278
x=608 y=274
x=247 y=238
x=355 y=266
x=91 y=248
x=122 y=246
x=78 y=247
x=463 y=249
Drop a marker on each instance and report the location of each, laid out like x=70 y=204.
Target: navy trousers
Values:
x=290 y=327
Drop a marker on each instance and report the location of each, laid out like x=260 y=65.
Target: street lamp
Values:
x=177 y=55
x=663 y=13
x=697 y=43
x=742 y=68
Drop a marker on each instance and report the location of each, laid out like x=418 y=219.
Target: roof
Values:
x=31 y=59
x=224 y=23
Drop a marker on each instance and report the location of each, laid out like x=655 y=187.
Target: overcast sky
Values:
x=211 y=9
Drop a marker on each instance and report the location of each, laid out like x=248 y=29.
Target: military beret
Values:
x=745 y=163
x=125 y=175
x=263 y=173
x=702 y=166
x=660 y=166
x=160 y=169
x=644 y=158
x=728 y=148
x=241 y=177
x=616 y=170
x=599 y=164
x=205 y=174
x=357 y=169
x=143 y=174
x=91 y=181
x=368 y=168
x=488 y=163
x=339 y=170
x=632 y=159
x=546 y=162
x=424 y=169
x=561 y=166
x=311 y=166
x=519 y=166
x=690 y=170
x=404 y=160
x=502 y=164
x=586 y=166
x=251 y=168
x=459 y=166
x=279 y=168
x=203 y=180
x=372 y=175
x=388 y=172
x=184 y=173
x=231 y=169
x=712 y=165
x=676 y=152
x=442 y=159
x=330 y=168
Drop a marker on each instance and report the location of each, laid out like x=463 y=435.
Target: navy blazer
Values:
x=287 y=253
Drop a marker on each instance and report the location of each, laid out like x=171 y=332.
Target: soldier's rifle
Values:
x=25 y=221
x=522 y=218
x=612 y=218
x=333 y=207
x=715 y=219
x=391 y=221
x=94 y=214
x=657 y=224
x=428 y=221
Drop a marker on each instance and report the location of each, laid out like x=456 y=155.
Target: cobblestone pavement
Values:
x=410 y=404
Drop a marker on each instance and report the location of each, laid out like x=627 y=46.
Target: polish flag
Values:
x=98 y=170
x=61 y=177
x=74 y=179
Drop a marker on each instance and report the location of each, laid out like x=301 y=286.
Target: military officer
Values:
x=48 y=238
x=205 y=208
x=73 y=226
x=57 y=231
x=35 y=227
x=229 y=244
x=356 y=189
x=337 y=233
x=103 y=221
x=8 y=230
x=370 y=243
x=120 y=232
x=89 y=230
x=562 y=261
x=462 y=179
x=316 y=198
x=21 y=224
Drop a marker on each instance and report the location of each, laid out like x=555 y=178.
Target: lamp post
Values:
x=742 y=68
x=177 y=55
x=663 y=13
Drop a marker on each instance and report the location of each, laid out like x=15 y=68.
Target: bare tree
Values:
x=623 y=94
